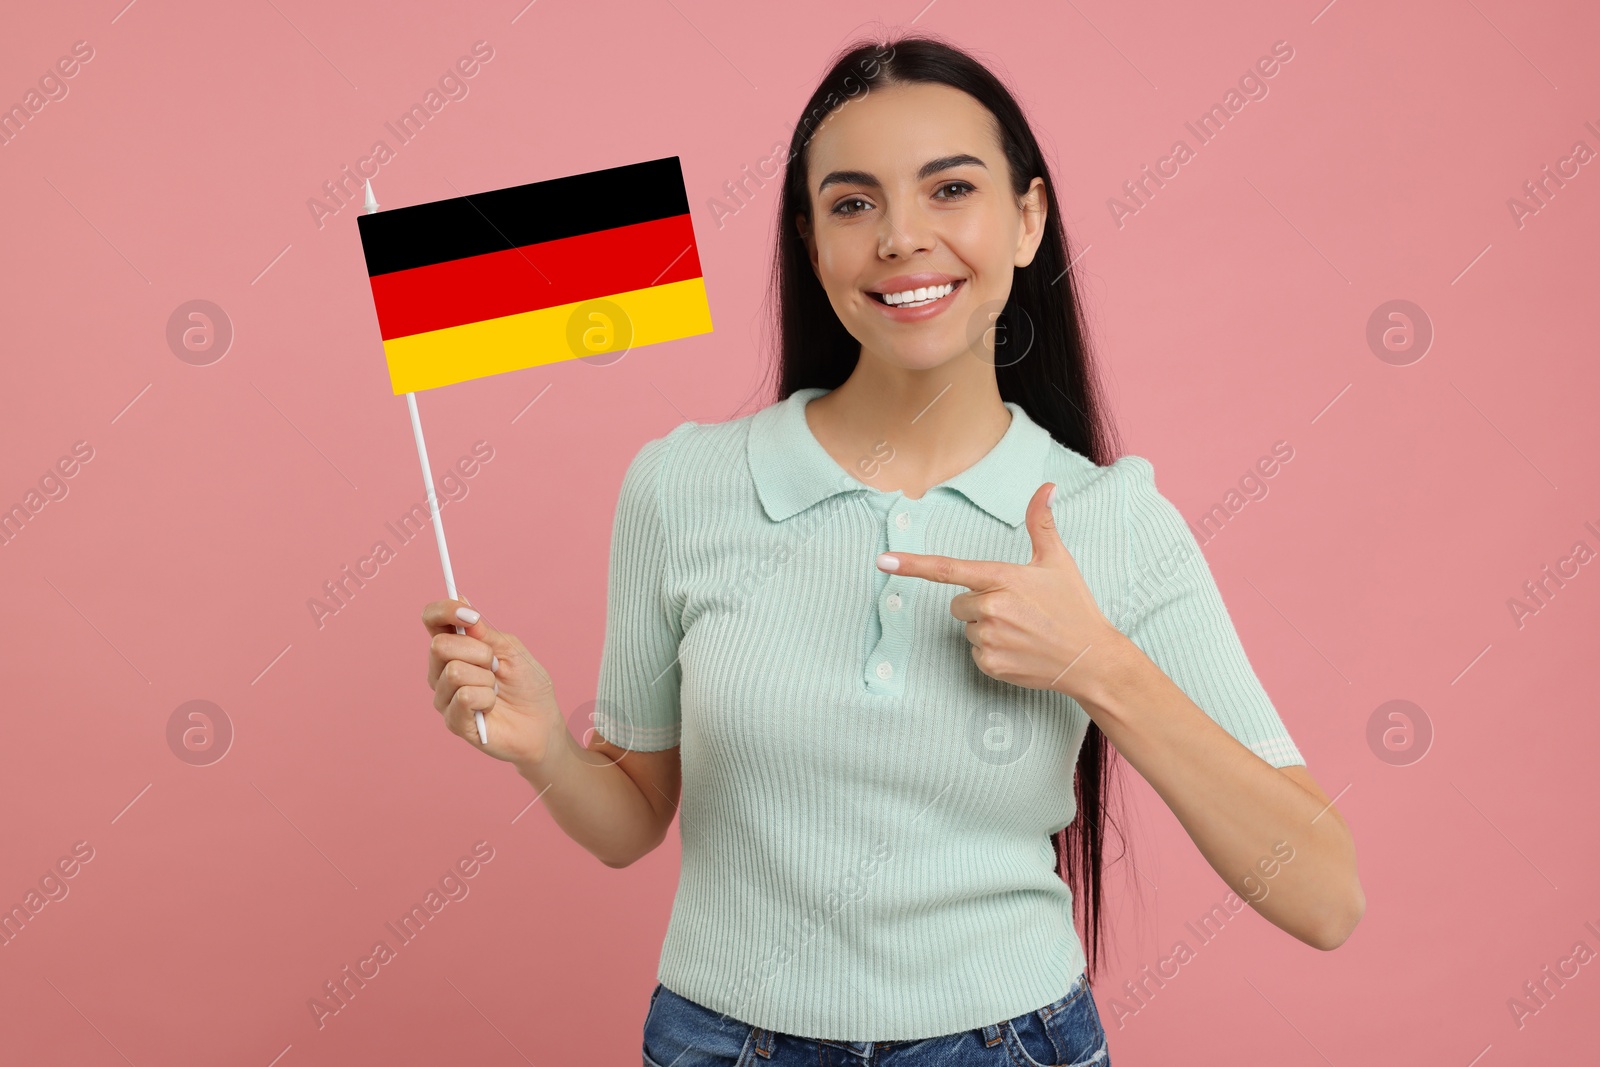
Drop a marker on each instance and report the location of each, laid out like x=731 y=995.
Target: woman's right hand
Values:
x=490 y=670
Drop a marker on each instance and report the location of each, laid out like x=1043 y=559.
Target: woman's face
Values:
x=909 y=189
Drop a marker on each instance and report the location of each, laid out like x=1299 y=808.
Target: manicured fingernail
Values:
x=1051 y=499
x=497 y=687
x=887 y=562
x=467 y=615
x=494 y=665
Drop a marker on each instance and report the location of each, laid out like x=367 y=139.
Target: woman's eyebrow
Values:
x=933 y=166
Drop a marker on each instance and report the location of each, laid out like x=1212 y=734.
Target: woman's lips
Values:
x=924 y=311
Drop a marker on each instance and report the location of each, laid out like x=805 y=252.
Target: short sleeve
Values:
x=1173 y=611
x=637 y=696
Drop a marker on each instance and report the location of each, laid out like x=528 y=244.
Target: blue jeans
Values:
x=1064 y=1033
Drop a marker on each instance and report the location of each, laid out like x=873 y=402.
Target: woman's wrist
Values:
x=1103 y=671
x=543 y=762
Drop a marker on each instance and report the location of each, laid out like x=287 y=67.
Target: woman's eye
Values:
x=961 y=188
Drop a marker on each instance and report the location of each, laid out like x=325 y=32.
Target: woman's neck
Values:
x=906 y=431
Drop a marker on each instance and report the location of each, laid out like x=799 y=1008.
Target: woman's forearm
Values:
x=1243 y=814
x=594 y=801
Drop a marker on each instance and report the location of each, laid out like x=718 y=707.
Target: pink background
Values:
x=1231 y=312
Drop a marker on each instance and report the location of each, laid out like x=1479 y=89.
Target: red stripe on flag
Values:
x=514 y=280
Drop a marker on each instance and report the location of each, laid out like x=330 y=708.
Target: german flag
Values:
x=534 y=274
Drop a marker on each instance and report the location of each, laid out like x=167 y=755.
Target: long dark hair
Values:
x=1054 y=384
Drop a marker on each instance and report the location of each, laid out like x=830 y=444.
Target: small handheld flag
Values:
x=533 y=274
x=529 y=275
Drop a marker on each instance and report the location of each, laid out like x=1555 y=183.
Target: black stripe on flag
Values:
x=520 y=215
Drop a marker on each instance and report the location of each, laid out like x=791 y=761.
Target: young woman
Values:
x=887 y=633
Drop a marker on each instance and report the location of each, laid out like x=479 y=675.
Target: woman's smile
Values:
x=913 y=303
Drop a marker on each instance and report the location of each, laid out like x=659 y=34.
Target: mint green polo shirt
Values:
x=866 y=816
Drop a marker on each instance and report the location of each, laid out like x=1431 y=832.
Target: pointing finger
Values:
x=972 y=573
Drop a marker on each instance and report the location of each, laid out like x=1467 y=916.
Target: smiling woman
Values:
x=943 y=653
x=928 y=234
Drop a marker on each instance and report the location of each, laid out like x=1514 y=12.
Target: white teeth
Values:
x=912 y=296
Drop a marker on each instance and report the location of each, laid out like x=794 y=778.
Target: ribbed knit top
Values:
x=866 y=816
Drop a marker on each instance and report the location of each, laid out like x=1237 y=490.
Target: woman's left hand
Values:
x=1036 y=624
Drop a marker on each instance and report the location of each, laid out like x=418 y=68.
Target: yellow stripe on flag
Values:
x=550 y=335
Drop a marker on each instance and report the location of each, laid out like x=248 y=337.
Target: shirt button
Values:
x=894 y=601
x=885 y=670
x=903 y=520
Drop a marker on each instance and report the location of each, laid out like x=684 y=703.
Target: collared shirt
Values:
x=866 y=816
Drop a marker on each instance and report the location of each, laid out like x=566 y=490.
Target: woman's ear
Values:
x=1034 y=210
x=803 y=228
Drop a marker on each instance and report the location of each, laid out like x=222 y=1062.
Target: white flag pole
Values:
x=369 y=207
